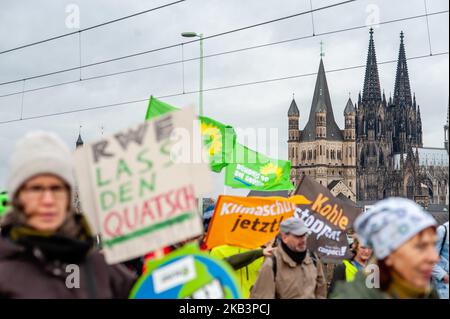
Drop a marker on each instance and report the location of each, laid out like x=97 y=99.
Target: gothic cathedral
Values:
x=380 y=152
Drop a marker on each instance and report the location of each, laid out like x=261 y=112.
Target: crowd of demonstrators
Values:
x=348 y=269
x=403 y=238
x=293 y=272
x=42 y=235
x=44 y=240
x=440 y=270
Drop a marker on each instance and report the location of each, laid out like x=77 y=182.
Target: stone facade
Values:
x=380 y=152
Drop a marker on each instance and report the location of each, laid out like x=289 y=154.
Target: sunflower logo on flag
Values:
x=212 y=138
x=272 y=169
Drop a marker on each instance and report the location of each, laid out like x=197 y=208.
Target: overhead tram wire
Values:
x=219 y=54
x=178 y=44
x=214 y=89
x=90 y=28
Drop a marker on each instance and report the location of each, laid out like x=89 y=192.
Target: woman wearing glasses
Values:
x=46 y=249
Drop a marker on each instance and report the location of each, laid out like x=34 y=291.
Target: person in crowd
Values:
x=440 y=270
x=402 y=236
x=46 y=248
x=348 y=269
x=294 y=272
x=245 y=262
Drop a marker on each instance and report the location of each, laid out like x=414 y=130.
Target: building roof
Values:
x=440 y=217
x=293 y=109
x=321 y=102
x=441 y=208
x=345 y=199
x=428 y=156
x=79 y=141
x=332 y=184
x=349 y=108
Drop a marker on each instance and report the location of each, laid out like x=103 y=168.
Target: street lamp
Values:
x=193 y=35
x=200 y=103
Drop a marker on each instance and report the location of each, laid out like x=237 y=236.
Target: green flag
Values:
x=218 y=138
x=3 y=203
x=157 y=108
x=255 y=171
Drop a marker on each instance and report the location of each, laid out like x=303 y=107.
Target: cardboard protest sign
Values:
x=135 y=192
x=187 y=273
x=328 y=218
x=249 y=222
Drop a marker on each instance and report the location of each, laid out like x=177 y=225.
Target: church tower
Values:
x=372 y=134
x=349 y=151
x=320 y=150
x=293 y=139
x=407 y=128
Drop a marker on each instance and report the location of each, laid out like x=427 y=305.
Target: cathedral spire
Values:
x=79 y=141
x=371 y=91
x=402 y=89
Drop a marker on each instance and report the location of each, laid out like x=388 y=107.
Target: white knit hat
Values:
x=37 y=153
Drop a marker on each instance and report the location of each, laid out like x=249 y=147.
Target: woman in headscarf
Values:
x=402 y=236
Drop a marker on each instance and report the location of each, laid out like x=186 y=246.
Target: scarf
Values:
x=69 y=244
x=401 y=289
x=298 y=257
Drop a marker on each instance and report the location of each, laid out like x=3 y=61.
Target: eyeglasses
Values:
x=38 y=191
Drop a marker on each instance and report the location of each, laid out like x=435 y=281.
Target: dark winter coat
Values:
x=33 y=265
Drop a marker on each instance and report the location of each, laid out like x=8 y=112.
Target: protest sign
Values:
x=327 y=217
x=249 y=222
x=187 y=273
x=135 y=193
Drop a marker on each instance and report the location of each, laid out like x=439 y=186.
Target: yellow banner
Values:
x=249 y=222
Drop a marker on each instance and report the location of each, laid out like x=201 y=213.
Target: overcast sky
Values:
x=254 y=106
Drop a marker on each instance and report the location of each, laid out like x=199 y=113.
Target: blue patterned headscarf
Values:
x=390 y=223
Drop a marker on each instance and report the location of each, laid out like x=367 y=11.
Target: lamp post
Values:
x=200 y=102
x=193 y=35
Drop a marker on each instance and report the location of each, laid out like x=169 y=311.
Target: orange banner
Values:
x=249 y=222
